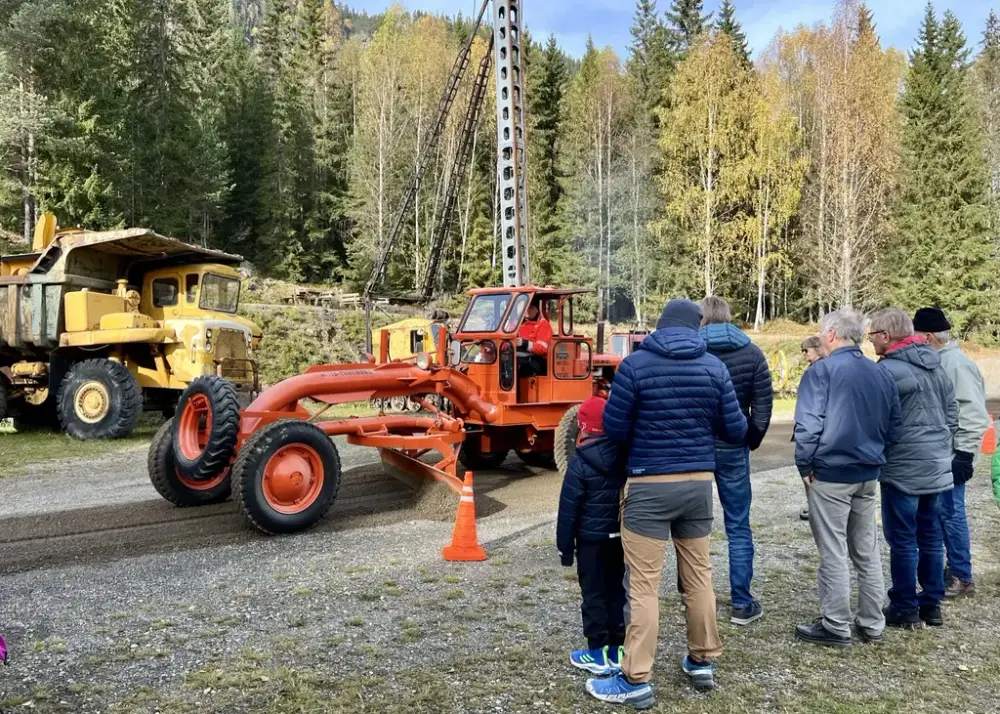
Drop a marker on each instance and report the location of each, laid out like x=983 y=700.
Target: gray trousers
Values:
x=842 y=519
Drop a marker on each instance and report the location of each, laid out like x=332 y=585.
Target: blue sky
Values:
x=609 y=20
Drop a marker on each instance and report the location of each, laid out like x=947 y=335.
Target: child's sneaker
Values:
x=702 y=675
x=615 y=657
x=618 y=690
x=593 y=661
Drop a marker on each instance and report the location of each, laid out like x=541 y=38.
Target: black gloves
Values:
x=961 y=467
x=567 y=558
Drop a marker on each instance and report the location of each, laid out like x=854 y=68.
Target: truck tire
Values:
x=99 y=399
x=472 y=456
x=206 y=428
x=171 y=485
x=287 y=477
x=566 y=435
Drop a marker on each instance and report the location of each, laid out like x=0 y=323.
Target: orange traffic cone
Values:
x=990 y=439
x=464 y=541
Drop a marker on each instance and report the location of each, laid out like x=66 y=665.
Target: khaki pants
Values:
x=644 y=566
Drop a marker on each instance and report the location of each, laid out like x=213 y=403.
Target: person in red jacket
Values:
x=533 y=341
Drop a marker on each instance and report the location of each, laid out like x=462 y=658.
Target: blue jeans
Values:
x=912 y=526
x=955 y=528
x=732 y=477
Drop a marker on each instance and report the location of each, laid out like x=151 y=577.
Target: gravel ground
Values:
x=362 y=615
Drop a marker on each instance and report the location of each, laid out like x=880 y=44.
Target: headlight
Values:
x=424 y=361
x=208 y=333
x=208 y=346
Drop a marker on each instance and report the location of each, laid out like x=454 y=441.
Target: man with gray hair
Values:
x=973 y=421
x=917 y=469
x=846 y=409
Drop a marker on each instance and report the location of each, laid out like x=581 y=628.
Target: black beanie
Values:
x=930 y=319
x=680 y=313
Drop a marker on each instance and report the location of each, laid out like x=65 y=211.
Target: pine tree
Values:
x=987 y=75
x=547 y=111
x=943 y=253
x=866 y=22
x=651 y=61
x=687 y=22
x=728 y=24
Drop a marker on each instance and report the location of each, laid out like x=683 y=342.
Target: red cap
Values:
x=591 y=416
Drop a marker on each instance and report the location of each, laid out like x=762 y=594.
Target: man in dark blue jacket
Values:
x=669 y=403
x=752 y=382
x=588 y=526
x=847 y=407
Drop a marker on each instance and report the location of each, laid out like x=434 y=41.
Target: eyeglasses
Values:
x=877 y=332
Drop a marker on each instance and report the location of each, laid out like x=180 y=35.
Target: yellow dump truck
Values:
x=97 y=326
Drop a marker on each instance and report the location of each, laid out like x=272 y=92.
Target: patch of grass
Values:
x=356 y=569
x=454 y=594
x=25 y=449
x=429 y=579
x=301 y=590
x=160 y=624
x=356 y=622
x=452 y=579
x=525 y=581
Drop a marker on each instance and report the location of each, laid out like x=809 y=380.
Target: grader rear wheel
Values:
x=566 y=436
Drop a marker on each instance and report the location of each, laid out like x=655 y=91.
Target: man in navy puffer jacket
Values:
x=588 y=525
x=669 y=403
x=752 y=382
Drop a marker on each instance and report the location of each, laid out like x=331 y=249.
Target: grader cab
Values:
x=277 y=454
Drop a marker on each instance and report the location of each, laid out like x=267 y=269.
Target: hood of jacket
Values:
x=600 y=453
x=919 y=354
x=675 y=343
x=724 y=337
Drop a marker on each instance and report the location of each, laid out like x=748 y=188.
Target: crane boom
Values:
x=511 y=164
x=423 y=156
x=459 y=167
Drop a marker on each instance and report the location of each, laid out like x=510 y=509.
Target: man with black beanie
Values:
x=973 y=421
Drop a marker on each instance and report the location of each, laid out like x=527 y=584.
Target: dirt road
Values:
x=114 y=602
x=96 y=511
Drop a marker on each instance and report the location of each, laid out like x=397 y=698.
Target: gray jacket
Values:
x=918 y=451
x=970 y=393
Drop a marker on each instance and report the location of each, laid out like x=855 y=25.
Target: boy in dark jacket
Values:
x=588 y=524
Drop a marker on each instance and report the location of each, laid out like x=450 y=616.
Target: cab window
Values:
x=520 y=303
x=165 y=292
x=191 y=287
x=219 y=293
x=486 y=313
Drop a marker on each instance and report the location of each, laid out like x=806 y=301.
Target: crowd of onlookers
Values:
x=687 y=408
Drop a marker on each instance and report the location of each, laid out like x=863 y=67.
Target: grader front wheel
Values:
x=287 y=476
x=170 y=484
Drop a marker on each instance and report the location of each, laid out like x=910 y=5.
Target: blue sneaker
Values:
x=618 y=690
x=702 y=676
x=615 y=657
x=593 y=661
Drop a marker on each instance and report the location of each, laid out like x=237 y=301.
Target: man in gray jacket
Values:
x=917 y=469
x=973 y=421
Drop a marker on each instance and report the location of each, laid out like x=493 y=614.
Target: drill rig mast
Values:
x=505 y=44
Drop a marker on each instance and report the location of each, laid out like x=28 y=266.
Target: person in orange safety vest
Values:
x=535 y=333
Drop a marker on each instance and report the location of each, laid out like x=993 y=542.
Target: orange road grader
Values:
x=277 y=455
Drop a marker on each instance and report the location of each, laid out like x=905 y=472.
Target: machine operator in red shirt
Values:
x=533 y=343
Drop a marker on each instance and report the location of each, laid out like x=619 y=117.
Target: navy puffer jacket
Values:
x=589 y=501
x=669 y=402
x=751 y=377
